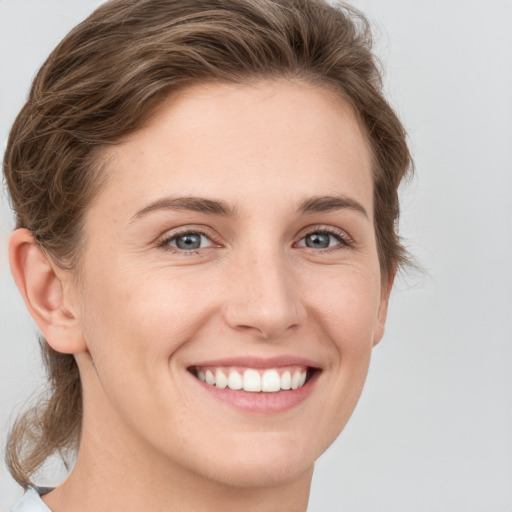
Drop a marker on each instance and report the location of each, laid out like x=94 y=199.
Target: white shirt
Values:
x=31 y=502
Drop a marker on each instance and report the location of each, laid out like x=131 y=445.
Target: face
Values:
x=232 y=247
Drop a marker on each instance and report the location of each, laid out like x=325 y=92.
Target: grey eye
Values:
x=190 y=241
x=323 y=240
x=318 y=240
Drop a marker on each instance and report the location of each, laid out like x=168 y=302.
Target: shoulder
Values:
x=31 y=502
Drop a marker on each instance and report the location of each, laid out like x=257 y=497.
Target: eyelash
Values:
x=341 y=236
x=345 y=241
x=164 y=244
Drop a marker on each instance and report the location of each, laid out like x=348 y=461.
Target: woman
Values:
x=206 y=201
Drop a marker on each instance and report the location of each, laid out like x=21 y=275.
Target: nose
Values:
x=263 y=298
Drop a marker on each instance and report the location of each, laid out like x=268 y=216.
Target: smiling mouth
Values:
x=270 y=380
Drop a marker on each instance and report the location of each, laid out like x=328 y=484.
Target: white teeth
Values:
x=235 y=380
x=286 y=380
x=252 y=380
x=270 y=381
x=296 y=378
x=210 y=378
x=221 y=381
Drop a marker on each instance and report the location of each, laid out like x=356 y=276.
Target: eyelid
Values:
x=345 y=240
x=163 y=241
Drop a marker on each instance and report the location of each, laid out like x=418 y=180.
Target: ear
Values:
x=48 y=291
x=383 y=308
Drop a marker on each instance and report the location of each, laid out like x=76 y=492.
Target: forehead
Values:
x=266 y=139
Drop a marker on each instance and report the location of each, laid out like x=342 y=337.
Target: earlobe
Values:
x=383 y=308
x=41 y=283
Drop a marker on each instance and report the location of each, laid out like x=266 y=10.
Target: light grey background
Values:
x=433 y=431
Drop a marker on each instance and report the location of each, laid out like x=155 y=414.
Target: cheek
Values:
x=144 y=317
x=346 y=307
x=135 y=325
x=347 y=313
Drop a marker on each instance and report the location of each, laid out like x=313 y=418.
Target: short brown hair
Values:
x=109 y=75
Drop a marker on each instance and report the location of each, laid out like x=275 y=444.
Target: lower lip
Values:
x=261 y=402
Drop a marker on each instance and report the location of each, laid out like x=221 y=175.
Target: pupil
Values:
x=317 y=240
x=191 y=241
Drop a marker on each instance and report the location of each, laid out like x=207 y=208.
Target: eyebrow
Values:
x=192 y=203
x=328 y=203
x=316 y=204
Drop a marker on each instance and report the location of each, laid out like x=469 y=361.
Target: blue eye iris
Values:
x=190 y=241
x=318 y=240
x=187 y=242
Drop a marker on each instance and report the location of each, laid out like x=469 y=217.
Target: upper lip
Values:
x=259 y=362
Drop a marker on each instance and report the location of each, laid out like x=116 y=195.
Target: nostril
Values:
x=267 y=315
x=266 y=331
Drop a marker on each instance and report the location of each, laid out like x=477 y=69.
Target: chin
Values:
x=268 y=460
x=258 y=474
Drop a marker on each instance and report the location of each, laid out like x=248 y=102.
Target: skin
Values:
x=139 y=311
